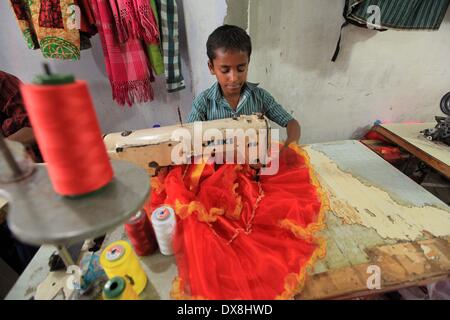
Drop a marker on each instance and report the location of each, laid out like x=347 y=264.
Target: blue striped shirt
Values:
x=211 y=105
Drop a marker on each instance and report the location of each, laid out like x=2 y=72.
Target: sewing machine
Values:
x=164 y=146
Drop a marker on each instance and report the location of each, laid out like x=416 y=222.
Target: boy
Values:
x=229 y=49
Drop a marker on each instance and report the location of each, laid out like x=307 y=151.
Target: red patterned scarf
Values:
x=134 y=19
x=126 y=64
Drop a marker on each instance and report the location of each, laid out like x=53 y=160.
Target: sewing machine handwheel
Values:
x=445 y=104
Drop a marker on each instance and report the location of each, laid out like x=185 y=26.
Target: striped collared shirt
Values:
x=211 y=105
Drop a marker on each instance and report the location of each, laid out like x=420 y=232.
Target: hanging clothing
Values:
x=394 y=14
x=156 y=59
x=60 y=28
x=237 y=238
x=170 y=43
x=154 y=49
x=148 y=27
x=126 y=64
x=87 y=24
x=400 y=14
x=23 y=16
x=134 y=20
x=43 y=24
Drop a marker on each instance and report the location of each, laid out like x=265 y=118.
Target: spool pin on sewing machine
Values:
x=153 y=148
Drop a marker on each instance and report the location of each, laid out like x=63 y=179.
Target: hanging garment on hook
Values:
x=382 y=15
x=87 y=24
x=127 y=64
x=49 y=25
x=154 y=49
x=168 y=13
x=134 y=19
x=23 y=16
x=60 y=28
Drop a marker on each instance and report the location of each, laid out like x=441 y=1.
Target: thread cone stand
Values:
x=37 y=215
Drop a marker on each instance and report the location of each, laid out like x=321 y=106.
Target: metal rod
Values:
x=68 y=261
x=13 y=165
x=47 y=69
x=179 y=116
x=65 y=256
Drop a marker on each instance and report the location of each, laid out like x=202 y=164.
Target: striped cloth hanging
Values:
x=394 y=14
x=400 y=14
x=170 y=43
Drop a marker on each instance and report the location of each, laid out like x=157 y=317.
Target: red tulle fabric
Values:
x=237 y=238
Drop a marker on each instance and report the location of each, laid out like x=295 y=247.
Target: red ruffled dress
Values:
x=237 y=238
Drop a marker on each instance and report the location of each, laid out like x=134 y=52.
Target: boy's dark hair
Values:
x=230 y=38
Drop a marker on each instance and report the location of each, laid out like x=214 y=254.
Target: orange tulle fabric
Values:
x=238 y=238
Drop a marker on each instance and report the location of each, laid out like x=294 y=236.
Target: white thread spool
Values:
x=163 y=222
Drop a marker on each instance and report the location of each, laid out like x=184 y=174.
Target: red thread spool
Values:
x=141 y=234
x=68 y=135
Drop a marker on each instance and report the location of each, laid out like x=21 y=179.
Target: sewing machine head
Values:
x=441 y=132
x=237 y=140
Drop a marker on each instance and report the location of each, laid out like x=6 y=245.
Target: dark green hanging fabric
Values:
x=401 y=14
x=395 y=14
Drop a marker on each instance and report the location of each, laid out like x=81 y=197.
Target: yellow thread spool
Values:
x=119 y=259
x=119 y=288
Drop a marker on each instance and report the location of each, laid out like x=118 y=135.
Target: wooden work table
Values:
x=378 y=217
x=436 y=154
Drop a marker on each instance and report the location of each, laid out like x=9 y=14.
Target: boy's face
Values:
x=230 y=68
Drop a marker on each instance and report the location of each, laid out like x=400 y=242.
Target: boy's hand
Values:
x=293 y=132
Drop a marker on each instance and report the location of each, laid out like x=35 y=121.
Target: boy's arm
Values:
x=293 y=132
x=198 y=112
x=275 y=112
